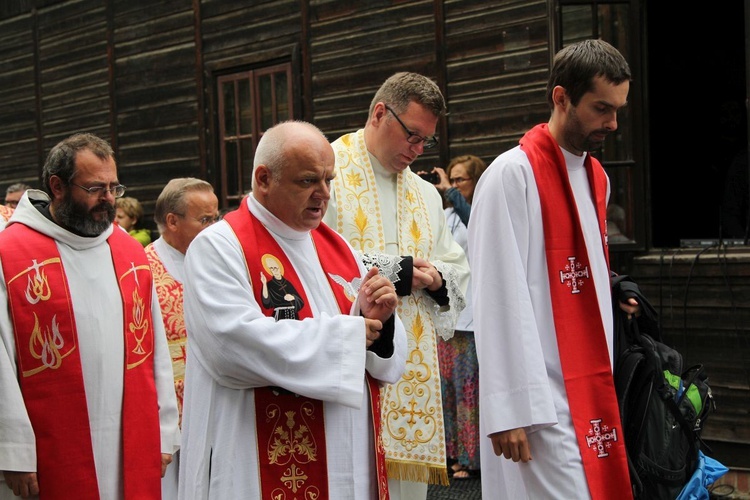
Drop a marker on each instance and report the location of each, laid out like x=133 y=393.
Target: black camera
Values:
x=431 y=177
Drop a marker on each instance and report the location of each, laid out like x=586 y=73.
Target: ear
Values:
x=262 y=176
x=57 y=187
x=378 y=114
x=559 y=96
x=171 y=221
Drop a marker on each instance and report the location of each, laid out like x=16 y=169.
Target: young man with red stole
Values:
x=88 y=404
x=543 y=307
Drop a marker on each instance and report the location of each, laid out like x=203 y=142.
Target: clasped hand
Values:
x=425 y=275
x=377 y=302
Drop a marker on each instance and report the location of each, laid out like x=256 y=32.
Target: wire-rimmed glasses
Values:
x=116 y=191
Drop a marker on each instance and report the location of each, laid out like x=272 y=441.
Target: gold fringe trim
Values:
x=418 y=473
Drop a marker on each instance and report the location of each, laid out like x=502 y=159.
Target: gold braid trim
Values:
x=417 y=472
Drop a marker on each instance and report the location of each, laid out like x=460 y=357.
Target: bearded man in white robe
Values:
x=542 y=300
x=88 y=404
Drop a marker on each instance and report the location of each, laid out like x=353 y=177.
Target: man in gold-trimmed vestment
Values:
x=396 y=220
x=184 y=208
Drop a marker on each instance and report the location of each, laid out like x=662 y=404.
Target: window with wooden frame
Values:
x=249 y=103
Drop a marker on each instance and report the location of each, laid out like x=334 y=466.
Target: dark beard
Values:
x=78 y=219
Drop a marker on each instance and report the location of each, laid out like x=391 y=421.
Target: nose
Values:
x=611 y=123
x=324 y=190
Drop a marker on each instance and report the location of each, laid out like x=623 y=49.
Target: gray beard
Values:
x=77 y=218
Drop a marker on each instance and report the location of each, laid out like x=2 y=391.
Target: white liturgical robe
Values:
x=173 y=261
x=520 y=377
x=97 y=306
x=233 y=348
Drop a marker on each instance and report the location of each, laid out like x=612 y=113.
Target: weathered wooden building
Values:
x=186 y=88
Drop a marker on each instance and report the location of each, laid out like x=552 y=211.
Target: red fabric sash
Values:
x=50 y=373
x=580 y=334
x=293 y=472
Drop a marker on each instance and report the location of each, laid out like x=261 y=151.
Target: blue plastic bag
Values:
x=706 y=473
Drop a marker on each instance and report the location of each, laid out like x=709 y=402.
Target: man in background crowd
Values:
x=183 y=209
x=13 y=194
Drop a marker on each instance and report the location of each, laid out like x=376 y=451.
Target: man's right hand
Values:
x=23 y=484
x=512 y=444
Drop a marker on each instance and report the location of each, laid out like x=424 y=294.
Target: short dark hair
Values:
x=575 y=67
x=61 y=159
x=402 y=88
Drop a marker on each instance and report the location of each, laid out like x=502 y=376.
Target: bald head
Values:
x=292 y=173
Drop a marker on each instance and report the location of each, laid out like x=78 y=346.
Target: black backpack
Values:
x=663 y=405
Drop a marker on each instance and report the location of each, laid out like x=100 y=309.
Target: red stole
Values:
x=580 y=334
x=50 y=372
x=302 y=473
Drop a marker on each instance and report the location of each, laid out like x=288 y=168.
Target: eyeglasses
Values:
x=459 y=180
x=116 y=191
x=414 y=138
x=204 y=221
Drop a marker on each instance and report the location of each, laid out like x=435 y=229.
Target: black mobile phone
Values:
x=431 y=177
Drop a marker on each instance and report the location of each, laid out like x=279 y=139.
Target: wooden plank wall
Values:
x=19 y=134
x=497 y=61
x=141 y=73
x=73 y=73
x=156 y=97
x=703 y=297
x=239 y=36
x=490 y=58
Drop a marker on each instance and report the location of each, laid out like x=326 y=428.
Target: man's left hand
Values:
x=631 y=307
x=425 y=276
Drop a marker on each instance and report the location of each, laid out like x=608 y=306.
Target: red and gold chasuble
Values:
x=5 y=212
x=580 y=335
x=50 y=372
x=170 y=293
x=290 y=428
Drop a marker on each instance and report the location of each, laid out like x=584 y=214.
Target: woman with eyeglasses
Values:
x=458 y=356
x=457 y=183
